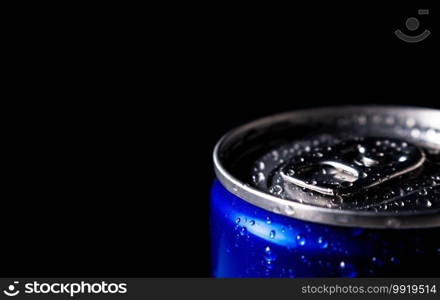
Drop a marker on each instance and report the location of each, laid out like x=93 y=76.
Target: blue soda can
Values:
x=329 y=192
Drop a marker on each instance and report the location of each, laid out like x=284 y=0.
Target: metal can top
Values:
x=357 y=166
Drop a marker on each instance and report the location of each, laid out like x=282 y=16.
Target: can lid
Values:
x=357 y=166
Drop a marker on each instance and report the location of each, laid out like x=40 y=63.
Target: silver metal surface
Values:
x=415 y=125
x=354 y=164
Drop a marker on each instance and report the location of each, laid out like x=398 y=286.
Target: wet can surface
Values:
x=332 y=192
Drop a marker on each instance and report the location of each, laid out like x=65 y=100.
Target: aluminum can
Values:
x=350 y=191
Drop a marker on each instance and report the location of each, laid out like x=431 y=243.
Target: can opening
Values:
x=346 y=160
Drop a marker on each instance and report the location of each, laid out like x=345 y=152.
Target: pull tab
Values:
x=353 y=165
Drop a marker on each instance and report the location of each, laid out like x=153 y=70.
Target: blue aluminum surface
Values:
x=248 y=241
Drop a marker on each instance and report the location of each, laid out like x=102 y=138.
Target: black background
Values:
x=112 y=177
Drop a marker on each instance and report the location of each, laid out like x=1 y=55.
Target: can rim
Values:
x=306 y=212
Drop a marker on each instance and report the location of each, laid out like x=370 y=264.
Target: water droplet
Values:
x=403 y=158
x=423 y=192
x=347 y=269
x=276 y=210
x=269 y=256
x=377 y=261
x=268 y=220
x=322 y=243
x=301 y=240
x=394 y=260
x=415 y=133
x=393 y=223
x=290 y=210
x=276 y=190
x=336 y=200
x=243 y=231
x=346 y=184
x=237 y=221
x=272 y=234
x=410 y=122
x=252 y=222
